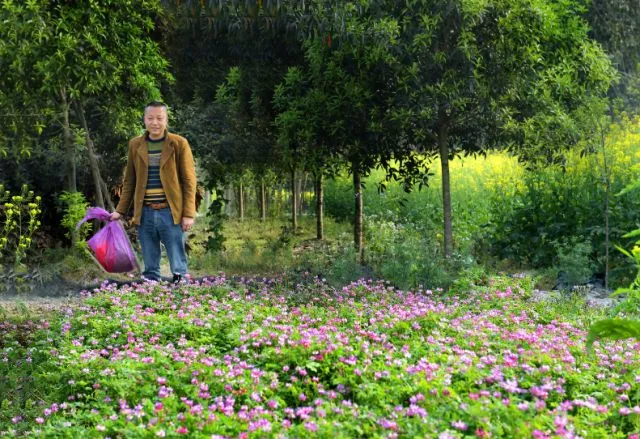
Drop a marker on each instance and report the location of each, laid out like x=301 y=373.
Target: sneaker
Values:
x=177 y=278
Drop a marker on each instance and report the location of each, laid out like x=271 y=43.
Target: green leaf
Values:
x=632 y=234
x=616 y=329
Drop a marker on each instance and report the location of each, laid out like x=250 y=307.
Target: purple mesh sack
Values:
x=110 y=245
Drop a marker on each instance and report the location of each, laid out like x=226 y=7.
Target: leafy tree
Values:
x=301 y=132
x=485 y=74
x=229 y=56
x=72 y=62
x=616 y=25
x=353 y=70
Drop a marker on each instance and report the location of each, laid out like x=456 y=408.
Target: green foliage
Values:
x=20 y=220
x=557 y=203
x=616 y=25
x=616 y=329
x=215 y=222
x=407 y=256
x=574 y=261
x=630 y=306
x=74 y=52
x=416 y=217
x=619 y=329
x=73 y=207
x=512 y=218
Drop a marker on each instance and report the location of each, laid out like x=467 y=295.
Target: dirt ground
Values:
x=60 y=294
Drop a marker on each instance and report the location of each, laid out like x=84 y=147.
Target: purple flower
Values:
x=311 y=426
x=459 y=425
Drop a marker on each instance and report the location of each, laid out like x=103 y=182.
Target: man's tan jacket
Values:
x=177 y=174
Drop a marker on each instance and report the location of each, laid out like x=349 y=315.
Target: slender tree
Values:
x=501 y=72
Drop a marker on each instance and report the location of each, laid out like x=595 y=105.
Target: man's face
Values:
x=155 y=120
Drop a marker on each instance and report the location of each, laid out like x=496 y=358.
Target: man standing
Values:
x=160 y=181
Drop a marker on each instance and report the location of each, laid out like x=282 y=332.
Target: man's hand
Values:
x=187 y=223
x=115 y=216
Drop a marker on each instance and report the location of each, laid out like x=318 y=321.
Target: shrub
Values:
x=574 y=261
x=408 y=256
x=73 y=207
x=566 y=203
x=20 y=221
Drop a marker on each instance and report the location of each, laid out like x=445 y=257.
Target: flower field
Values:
x=250 y=358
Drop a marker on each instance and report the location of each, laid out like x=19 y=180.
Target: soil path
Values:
x=60 y=293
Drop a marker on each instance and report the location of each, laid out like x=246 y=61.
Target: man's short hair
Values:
x=156 y=104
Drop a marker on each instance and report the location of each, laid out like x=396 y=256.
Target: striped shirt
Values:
x=154 y=192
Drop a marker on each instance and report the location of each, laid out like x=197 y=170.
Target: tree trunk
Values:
x=241 y=201
x=446 y=191
x=300 y=185
x=357 y=221
x=69 y=146
x=93 y=161
x=230 y=196
x=278 y=200
x=319 y=207
x=107 y=196
x=263 y=201
x=207 y=200
x=607 y=193
x=294 y=202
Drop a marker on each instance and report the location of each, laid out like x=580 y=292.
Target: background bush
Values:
x=504 y=216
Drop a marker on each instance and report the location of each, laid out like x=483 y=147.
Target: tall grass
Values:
x=270 y=248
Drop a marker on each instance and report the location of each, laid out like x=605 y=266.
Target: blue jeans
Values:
x=157 y=226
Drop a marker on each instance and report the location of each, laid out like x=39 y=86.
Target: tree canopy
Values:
x=266 y=85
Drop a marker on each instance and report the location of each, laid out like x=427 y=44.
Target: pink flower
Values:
x=182 y=430
x=311 y=426
x=389 y=425
x=560 y=421
x=40 y=420
x=459 y=425
x=537 y=434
